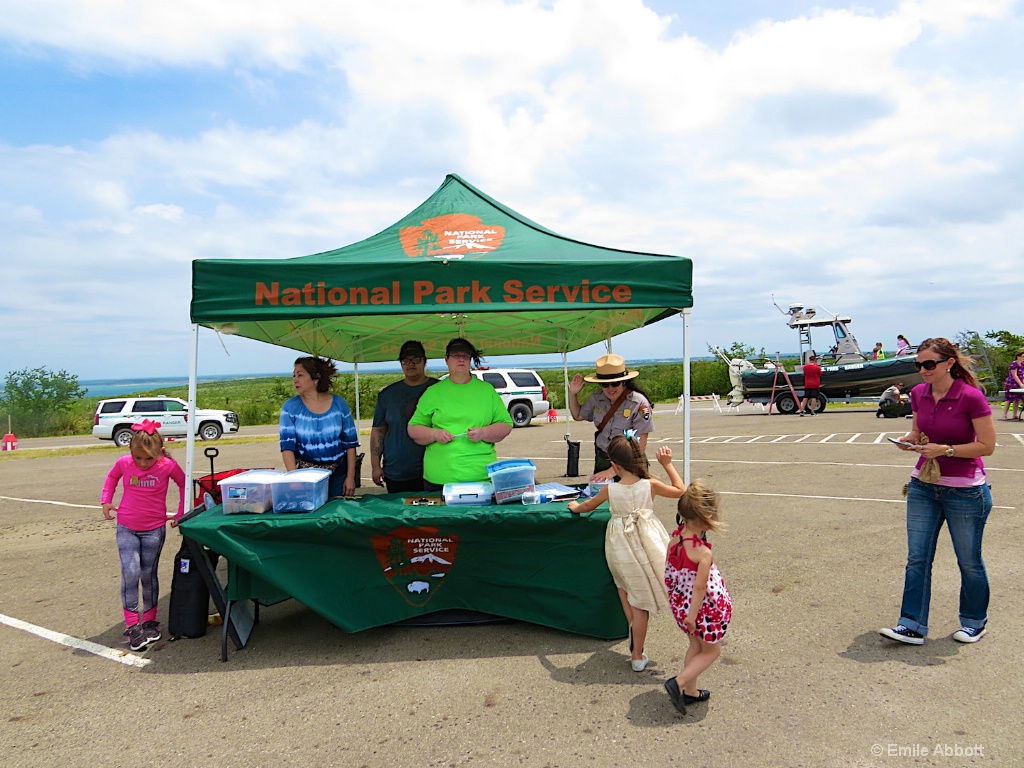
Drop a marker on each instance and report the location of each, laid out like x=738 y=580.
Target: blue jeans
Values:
x=336 y=483
x=964 y=511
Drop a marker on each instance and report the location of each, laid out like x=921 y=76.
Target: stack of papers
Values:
x=557 y=491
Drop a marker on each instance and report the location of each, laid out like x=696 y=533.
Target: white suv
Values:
x=114 y=419
x=522 y=391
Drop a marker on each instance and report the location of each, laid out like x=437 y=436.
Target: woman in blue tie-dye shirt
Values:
x=317 y=428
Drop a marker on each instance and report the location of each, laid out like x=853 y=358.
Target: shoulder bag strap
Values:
x=612 y=410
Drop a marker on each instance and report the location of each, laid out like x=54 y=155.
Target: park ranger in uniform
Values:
x=617 y=406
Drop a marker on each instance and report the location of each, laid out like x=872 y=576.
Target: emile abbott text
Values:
x=427 y=292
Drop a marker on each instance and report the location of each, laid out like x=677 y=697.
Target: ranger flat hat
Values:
x=611 y=368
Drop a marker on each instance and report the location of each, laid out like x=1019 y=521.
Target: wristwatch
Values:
x=949 y=452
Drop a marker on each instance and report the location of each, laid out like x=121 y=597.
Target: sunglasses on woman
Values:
x=929 y=365
x=606 y=384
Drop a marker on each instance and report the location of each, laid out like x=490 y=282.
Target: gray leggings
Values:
x=140 y=558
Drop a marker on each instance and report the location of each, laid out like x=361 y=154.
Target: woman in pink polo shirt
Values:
x=952 y=424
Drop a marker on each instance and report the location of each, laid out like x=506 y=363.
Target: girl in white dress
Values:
x=635 y=541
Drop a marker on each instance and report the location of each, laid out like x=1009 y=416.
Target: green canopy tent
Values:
x=460 y=264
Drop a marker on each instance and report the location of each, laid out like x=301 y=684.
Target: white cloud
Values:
x=835 y=157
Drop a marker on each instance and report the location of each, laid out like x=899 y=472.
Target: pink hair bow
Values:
x=147 y=425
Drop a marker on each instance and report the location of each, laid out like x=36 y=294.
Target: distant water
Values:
x=117 y=387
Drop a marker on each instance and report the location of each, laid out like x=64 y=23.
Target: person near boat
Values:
x=812 y=385
x=902 y=345
x=893 y=403
x=1014 y=380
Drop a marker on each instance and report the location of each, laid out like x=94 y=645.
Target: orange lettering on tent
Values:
x=513 y=291
x=267 y=294
x=420 y=290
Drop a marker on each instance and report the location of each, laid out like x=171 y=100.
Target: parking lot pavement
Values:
x=813 y=555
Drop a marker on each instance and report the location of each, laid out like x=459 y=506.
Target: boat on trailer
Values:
x=846 y=372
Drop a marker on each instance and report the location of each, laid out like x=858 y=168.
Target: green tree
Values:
x=37 y=398
x=739 y=350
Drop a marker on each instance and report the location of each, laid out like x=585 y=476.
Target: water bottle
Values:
x=532 y=497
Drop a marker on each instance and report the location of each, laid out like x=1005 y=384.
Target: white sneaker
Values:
x=969 y=634
x=639 y=665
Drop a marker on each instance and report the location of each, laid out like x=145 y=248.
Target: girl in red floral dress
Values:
x=698 y=596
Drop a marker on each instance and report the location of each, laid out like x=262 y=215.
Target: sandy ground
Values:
x=813 y=557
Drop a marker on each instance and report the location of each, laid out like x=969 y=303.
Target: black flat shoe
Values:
x=702 y=695
x=673 y=693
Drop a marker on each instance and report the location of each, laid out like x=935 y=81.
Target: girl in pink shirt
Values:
x=144 y=476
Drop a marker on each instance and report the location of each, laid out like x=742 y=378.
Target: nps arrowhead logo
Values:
x=452 y=236
x=415 y=560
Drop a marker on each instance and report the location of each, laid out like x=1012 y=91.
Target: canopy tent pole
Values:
x=565 y=381
x=686 y=395
x=355 y=367
x=190 y=446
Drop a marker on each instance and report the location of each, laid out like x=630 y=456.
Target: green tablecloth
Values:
x=375 y=561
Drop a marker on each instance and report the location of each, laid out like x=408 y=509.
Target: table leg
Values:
x=238 y=623
x=224 y=632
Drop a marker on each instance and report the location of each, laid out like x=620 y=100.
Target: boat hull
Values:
x=865 y=379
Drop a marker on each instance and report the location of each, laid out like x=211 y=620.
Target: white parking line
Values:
x=809 y=496
x=47 y=501
x=826 y=498
x=121 y=657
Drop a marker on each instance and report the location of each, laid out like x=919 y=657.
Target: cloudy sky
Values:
x=862 y=157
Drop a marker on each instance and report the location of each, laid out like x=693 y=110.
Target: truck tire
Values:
x=210 y=430
x=521 y=414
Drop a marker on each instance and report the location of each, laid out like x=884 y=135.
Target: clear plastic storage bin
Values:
x=248 y=492
x=475 y=494
x=301 y=490
x=511 y=478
